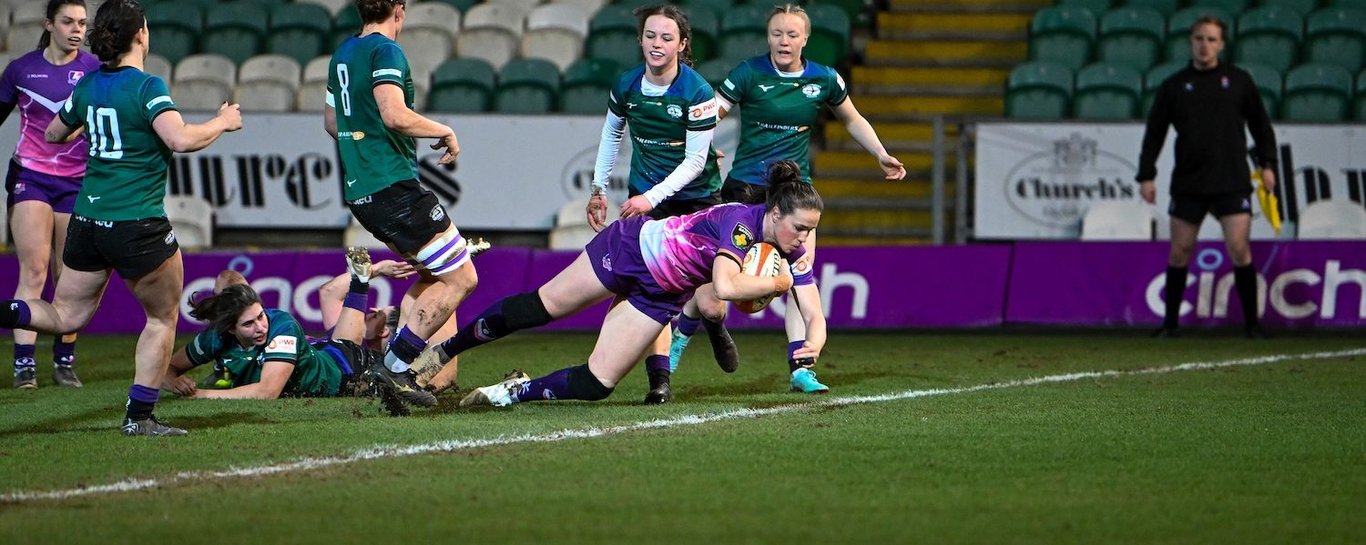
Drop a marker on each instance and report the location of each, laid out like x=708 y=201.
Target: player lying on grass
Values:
x=654 y=265
x=266 y=352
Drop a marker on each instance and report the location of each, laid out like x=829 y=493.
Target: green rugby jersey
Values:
x=778 y=113
x=125 y=175
x=372 y=156
x=659 y=129
x=315 y=372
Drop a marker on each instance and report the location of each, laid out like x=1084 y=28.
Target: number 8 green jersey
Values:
x=125 y=177
x=372 y=156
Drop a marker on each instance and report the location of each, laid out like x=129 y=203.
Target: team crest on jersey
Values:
x=170 y=238
x=811 y=90
x=438 y=212
x=674 y=110
x=73 y=76
x=741 y=237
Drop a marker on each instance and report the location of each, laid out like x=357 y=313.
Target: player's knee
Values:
x=583 y=385
x=525 y=311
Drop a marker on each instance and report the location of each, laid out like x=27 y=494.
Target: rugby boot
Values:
x=804 y=380
x=498 y=395
x=660 y=392
x=678 y=342
x=722 y=346
x=403 y=385
x=358 y=263
x=150 y=427
x=65 y=375
x=25 y=378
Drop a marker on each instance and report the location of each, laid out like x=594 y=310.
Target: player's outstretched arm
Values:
x=808 y=300
x=184 y=137
x=864 y=134
x=274 y=375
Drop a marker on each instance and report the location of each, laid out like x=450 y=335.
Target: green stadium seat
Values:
x=1107 y=91
x=1270 y=86
x=716 y=6
x=1336 y=36
x=462 y=86
x=527 y=86
x=1269 y=35
x=612 y=35
x=706 y=30
x=829 y=40
x=1097 y=7
x=860 y=16
x=460 y=5
x=744 y=32
x=1179 y=31
x=176 y=29
x=586 y=84
x=1231 y=6
x=346 y=24
x=1349 y=4
x=1153 y=79
x=633 y=4
x=1062 y=35
x=299 y=31
x=716 y=70
x=1131 y=36
x=236 y=31
x=1359 y=101
x=1165 y=7
x=1038 y=90
x=1302 y=7
x=1317 y=93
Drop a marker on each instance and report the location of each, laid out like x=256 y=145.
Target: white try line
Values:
x=396 y=451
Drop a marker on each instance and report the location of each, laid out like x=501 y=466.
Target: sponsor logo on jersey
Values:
x=741 y=236
x=811 y=90
x=804 y=264
x=704 y=110
x=352 y=135
x=283 y=343
x=37 y=76
x=674 y=110
x=363 y=200
x=93 y=198
x=765 y=88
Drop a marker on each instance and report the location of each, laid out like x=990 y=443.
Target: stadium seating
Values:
x=1132 y=36
x=1349 y=4
x=191 y=220
x=203 y=82
x=333 y=7
x=428 y=37
x=311 y=96
x=1301 y=7
x=716 y=70
x=706 y=32
x=158 y=65
x=1332 y=219
x=1179 y=36
x=555 y=32
x=1270 y=85
x=1152 y=80
x=527 y=86
x=1269 y=35
x=299 y=30
x=462 y=85
x=586 y=84
x=590 y=7
x=1119 y=220
x=1231 y=6
x=612 y=35
x=268 y=83
x=346 y=24
x=1165 y=7
x=28 y=13
x=175 y=30
x=23 y=37
x=1038 y=90
x=1107 y=91
x=744 y=32
x=1062 y=35
x=236 y=31
x=1336 y=36
x=1359 y=102
x=1097 y=7
x=829 y=40
x=1316 y=93
x=493 y=32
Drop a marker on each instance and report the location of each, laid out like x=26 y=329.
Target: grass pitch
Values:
x=1259 y=453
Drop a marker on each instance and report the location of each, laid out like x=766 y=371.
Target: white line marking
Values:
x=396 y=451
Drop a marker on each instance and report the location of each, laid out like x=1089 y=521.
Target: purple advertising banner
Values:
x=860 y=287
x=1302 y=284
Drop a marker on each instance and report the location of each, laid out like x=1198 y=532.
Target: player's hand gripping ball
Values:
x=763 y=261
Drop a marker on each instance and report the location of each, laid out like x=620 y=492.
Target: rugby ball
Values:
x=763 y=261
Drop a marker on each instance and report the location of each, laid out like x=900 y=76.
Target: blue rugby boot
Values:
x=677 y=344
x=804 y=380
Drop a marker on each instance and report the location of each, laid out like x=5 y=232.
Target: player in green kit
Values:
x=370 y=112
x=671 y=110
x=781 y=96
x=119 y=221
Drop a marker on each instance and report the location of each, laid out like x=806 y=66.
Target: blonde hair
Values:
x=790 y=9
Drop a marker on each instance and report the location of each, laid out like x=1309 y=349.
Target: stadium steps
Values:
x=926 y=58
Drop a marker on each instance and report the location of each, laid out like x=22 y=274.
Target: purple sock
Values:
x=792 y=362
x=15 y=314
x=23 y=355
x=552 y=386
x=141 y=401
x=358 y=301
x=63 y=353
x=687 y=325
x=487 y=327
x=656 y=363
x=405 y=346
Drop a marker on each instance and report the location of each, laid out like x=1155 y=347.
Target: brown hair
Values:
x=53 y=6
x=1211 y=20
x=116 y=23
x=673 y=12
x=375 y=11
x=788 y=191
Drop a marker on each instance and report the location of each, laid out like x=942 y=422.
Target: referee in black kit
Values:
x=1209 y=103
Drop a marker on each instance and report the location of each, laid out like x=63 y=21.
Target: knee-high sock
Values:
x=1176 y=287
x=513 y=313
x=1245 y=281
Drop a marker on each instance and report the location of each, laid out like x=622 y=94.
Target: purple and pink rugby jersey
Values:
x=38 y=89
